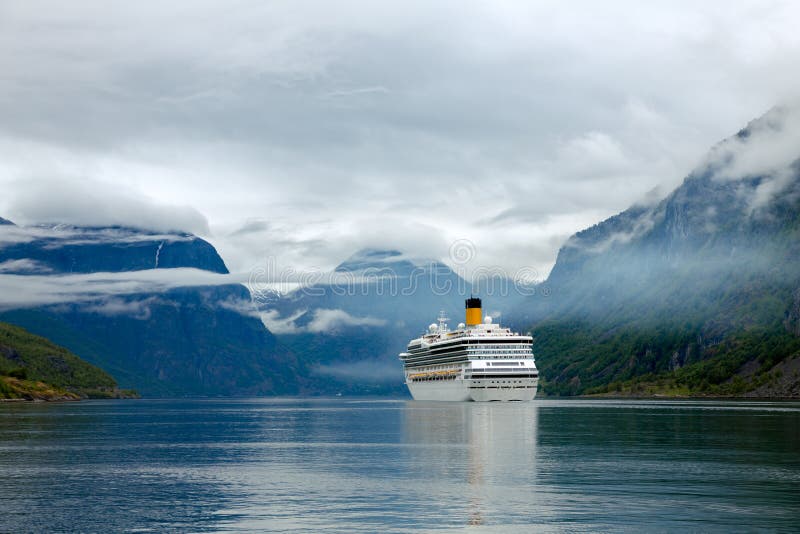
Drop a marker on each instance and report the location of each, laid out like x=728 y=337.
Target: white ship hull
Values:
x=455 y=390
x=469 y=390
x=477 y=362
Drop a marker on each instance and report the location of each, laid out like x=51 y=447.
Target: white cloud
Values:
x=242 y=307
x=323 y=321
x=137 y=308
x=92 y=203
x=24 y=266
x=22 y=291
x=281 y=325
x=635 y=227
x=770 y=150
x=332 y=320
x=63 y=235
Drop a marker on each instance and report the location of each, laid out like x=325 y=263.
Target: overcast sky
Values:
x=305 y=130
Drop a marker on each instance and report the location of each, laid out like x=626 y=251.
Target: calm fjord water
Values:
x=383 y=466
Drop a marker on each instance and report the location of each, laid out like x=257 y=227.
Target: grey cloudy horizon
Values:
x=307 y=130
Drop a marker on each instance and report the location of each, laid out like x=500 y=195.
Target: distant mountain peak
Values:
x=372 y=258
x=6 y=221
x=774 y=120
x=376 y=254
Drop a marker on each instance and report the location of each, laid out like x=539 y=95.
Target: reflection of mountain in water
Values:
x=498 y=442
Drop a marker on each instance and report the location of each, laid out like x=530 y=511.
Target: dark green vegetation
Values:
x=32 y=367
x=698 y=294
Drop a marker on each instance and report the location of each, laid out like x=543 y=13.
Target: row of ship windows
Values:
x=484 y=376
x=502 y=387
x=516 y=353
x=471 y=348
x=502 y=382
x=499 y=367
x=509 y=347
x=515 y=356
x=498 y=347
x=440 y=378
x=434 y=378
x=476 y=350
x=442 y=368
x=478 y=347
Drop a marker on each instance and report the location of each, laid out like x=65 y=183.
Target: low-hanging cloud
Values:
x=136 y=308
x=24 y=266
x=635 y=224
x=361 y=371
x=94 y=203
x=768 y=146
x=767 y=149
x=326 y=320
x=329 y=321
x=25 y=291
x=60 y=235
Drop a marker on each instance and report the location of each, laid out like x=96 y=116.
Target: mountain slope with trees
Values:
x=33 y=368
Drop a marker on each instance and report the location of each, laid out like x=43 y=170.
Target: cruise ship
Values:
x=478 y=361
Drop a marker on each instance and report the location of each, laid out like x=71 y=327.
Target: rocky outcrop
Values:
x=792 y=320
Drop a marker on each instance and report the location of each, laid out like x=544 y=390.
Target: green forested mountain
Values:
x=696 y=294
x=34 y=368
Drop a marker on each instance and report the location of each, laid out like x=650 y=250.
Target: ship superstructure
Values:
x=478 y=361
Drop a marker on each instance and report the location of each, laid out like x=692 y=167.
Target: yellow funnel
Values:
x=474 y=315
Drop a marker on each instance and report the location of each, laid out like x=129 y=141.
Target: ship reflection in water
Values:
x=476 y=445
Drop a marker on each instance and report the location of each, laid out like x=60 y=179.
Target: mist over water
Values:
x=393 y=466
